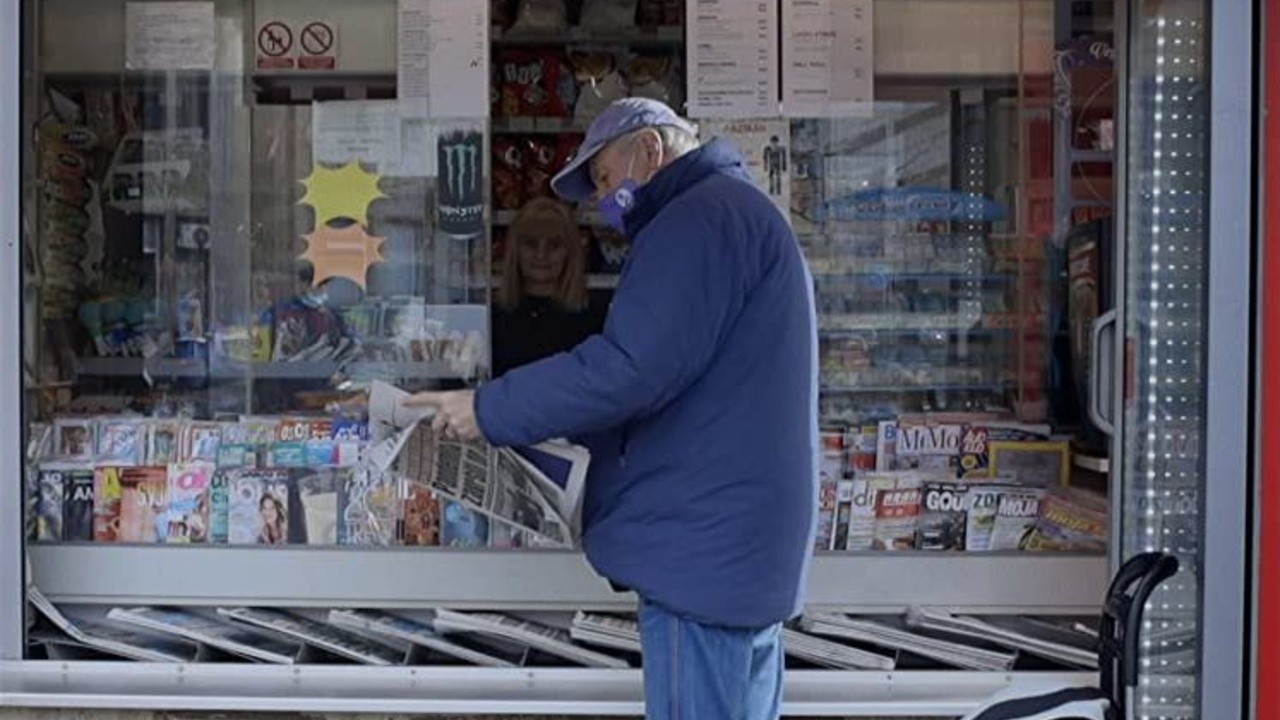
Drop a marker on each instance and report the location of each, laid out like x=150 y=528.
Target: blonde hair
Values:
x=571 y=289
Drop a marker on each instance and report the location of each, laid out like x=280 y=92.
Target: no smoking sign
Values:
x=318 y=42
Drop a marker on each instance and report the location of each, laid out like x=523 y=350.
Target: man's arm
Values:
x=683 y=287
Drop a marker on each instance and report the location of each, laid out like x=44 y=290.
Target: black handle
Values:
x=1126 y=598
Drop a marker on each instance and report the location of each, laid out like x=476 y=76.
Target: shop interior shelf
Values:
x=666 y=35
x=318 y=369
x=429 y=577
x=466 y=690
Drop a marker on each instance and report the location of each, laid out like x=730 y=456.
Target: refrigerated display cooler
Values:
x=232 y=213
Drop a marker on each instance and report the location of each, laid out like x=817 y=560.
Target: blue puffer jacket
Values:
x=698 y=402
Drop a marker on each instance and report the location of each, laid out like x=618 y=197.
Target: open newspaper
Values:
x=407 y=633
x=210 y=631
x=107 y=638
x=551 y=640
x=535 y=489
x=889 y=632
x=316 y=634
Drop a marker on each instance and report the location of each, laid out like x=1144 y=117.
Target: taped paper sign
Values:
x=342 y=253
x=343 y=193
x=169 y=36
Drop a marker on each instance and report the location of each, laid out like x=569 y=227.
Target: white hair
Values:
x=676 y=141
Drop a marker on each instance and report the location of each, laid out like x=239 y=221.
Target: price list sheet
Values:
x=733 y=59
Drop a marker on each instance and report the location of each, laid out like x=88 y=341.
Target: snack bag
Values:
x=508 y=173
x=541 y=16
x=599 y=83
x=653 y=77
x=532 y=83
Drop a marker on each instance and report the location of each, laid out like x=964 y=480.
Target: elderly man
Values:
x=699 y=405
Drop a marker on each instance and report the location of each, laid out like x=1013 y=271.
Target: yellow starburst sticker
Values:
x=343 y=193
x=342 y=252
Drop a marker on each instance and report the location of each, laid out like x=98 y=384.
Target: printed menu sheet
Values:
x=827 y=58
x=732 y=58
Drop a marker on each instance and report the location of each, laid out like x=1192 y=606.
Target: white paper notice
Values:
x=443 y=56
x=828 y=62
x=732 y=58
x=363 y=130
x=169 y=36
x=766 y=144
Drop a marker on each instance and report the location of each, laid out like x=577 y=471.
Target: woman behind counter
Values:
x=542 y=307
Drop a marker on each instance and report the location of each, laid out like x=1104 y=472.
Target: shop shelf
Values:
x=467 y=690
x=537 y=126
x=667 y=35
x=134 y=367
x=428 y=577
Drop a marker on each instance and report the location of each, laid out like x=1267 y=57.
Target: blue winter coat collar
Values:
x=716 y=156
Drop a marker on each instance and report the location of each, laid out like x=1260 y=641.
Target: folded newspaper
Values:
x=1011 y=633
x=536 y=489
x=236 y=640
x=890 y=632
x=107 y=638
x=551 y=640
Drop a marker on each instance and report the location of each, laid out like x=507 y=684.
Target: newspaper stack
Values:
x=550 y=640
x=315 y=634
x=406 y=634
x=1009 y=632
x=830 y=654
x=87 y=633
x=211 y=632
x=537 y=490
x=889 y=632
x=608 y=631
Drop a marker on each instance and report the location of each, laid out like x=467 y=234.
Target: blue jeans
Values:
x=694 y=671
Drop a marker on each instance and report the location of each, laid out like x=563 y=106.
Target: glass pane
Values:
x=1166 y=241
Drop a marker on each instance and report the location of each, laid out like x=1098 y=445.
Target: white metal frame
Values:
x=140 y=574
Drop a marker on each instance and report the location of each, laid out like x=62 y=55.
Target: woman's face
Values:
x=543 y=255
x=269 y=514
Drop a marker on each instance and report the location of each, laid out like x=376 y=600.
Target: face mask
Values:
x=616 y=203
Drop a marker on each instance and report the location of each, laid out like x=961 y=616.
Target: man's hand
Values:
x=455 y=413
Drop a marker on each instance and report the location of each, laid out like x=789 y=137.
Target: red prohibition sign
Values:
x=316 y=38
x=275 y=39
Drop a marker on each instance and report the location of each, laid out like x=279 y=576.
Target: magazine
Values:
x=1032 y=464
x=368 y=507
x=554 y=641
x=189 y=502
x=200 y=442
x=860 y=535
x=77 y=515
x=462 y=527
x=406 y=632
x=421 y=516
x=944 y=516
x=317 y=634
x=1070 y=520
x=75 y=439
x=144 y=504
x=101 y=636
x=897 y=514
x=861 y=448
x=219 y=506
x=914 y=443
x=51 y=494
x=983 y=507
x=211 y=632
x=1016 y=514
x=258 y=509
x=975 y=446
x=828 y=491
x=826 y=653
x=121 y=442
x=107 y=494
x=162 y=443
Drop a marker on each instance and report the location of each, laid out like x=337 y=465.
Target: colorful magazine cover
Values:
x=162 y=443
x=1070 y=521
x=827 y=492
x=258 y=510
x=74 y=439
x=944 y=516
x=51 y=484
x=975 y=446
x=201 y=442
x=421 y=517
x=911 y=443
x=77 y=515
x=1015 y=518
x=121 y=442
x=861 y=530
x=144 y=504
x=368 y=508
x=897 y=513
x=984 y=505
x=219 y=505
x=189 y=502
x=462 y=527
x=106 y=504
